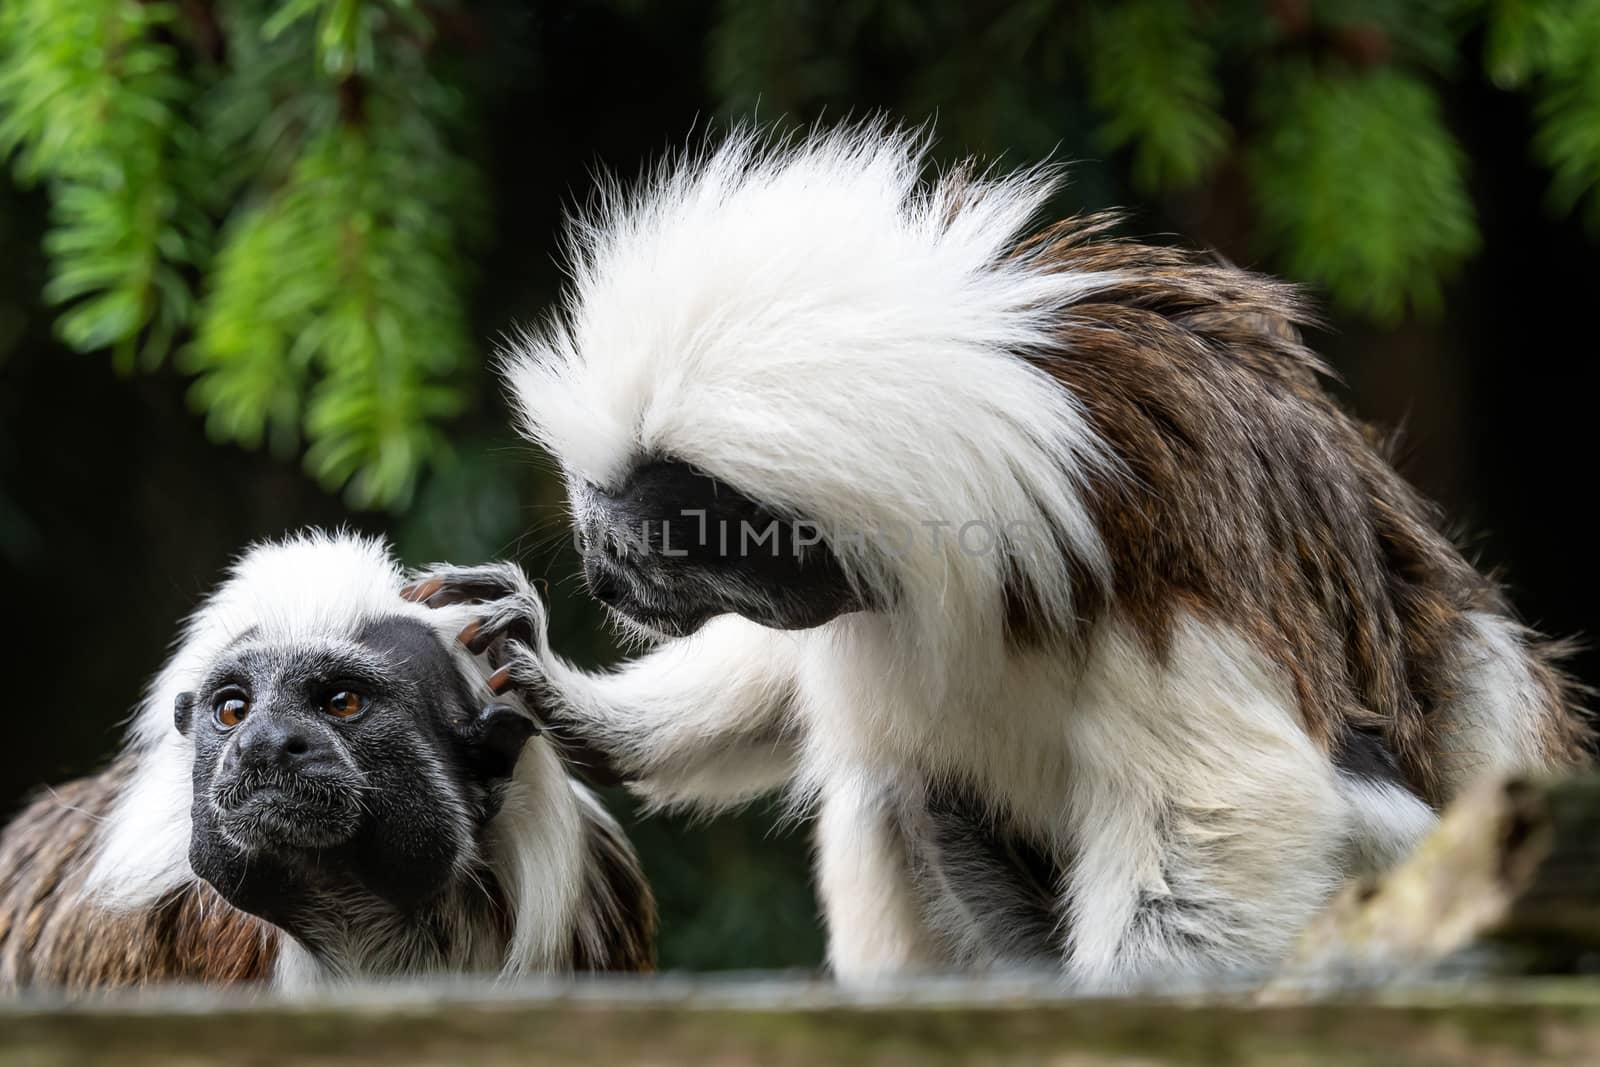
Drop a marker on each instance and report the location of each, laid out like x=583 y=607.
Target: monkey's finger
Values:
x=514 y=620
x=482 y=636
x=501 y=681
x=446 y=593
x=515 y=677
x=444 y=586
x=518 y=671
x=439 y=593
x=501 y=655
x=419 y=592
x=522 y=673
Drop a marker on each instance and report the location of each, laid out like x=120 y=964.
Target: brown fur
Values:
x=1251 y=498
x=52 y=936
x=624 y=904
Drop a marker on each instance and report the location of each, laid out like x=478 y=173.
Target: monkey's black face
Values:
x=356 y=768
x=672 y=547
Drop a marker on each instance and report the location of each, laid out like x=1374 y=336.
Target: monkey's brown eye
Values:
x=344 y=704
x=230 y=711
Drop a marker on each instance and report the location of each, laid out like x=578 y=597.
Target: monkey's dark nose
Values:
x=603 y=584
x=272 y=743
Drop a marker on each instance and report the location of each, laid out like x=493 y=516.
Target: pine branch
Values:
x=1151 y=74
x=1362 y=187
x=336 y=310
x=1554 y=48
x=93 y=107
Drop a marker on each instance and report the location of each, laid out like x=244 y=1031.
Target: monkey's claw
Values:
x=500 y=681
x=446 y=585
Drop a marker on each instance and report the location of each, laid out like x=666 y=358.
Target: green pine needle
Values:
x=336 y=312
x=1362 y=187
x=91 y=105
x=1560 y=58
x=1151 y=74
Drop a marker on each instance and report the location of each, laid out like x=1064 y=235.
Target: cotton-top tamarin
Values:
x=319 y=787
x=1038 y=565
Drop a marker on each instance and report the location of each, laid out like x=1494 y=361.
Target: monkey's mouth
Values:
x=663 y=624
x=288 y=814
x=653 y=604
x=650 y=605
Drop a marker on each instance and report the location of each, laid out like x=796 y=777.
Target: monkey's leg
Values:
x=702 y=721
x=1168 y=889
x=875 y=928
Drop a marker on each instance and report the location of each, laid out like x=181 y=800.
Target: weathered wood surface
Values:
x=1526 y=1023
x=1509 y=882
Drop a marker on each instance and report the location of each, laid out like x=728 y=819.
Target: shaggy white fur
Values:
x=813 y=320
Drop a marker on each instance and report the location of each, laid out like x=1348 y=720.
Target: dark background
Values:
x=116 y=512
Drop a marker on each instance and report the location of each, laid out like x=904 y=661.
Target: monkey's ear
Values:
x=183 y=712
x=495 y=737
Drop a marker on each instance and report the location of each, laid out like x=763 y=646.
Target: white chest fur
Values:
x=1199 y=825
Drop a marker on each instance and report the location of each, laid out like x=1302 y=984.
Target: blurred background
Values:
x=255 y=256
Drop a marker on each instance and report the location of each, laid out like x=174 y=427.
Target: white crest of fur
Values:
x=792 y=318
x=320 y=586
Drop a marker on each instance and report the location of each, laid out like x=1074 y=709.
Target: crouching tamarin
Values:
x=1037 y=565
x=319 y=786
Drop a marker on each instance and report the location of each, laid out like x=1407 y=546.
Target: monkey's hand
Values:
x=511 y=633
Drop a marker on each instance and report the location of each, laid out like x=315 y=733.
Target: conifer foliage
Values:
x=1329 y=110
x=267 y=192
x=273 y=195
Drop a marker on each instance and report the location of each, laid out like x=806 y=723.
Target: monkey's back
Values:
x=1251 y=498
x=54 y=935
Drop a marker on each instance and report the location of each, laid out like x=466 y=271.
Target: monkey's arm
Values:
x=704 y=721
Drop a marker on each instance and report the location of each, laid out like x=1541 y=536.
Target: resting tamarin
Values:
x=319 y=786
x=1037 y=565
